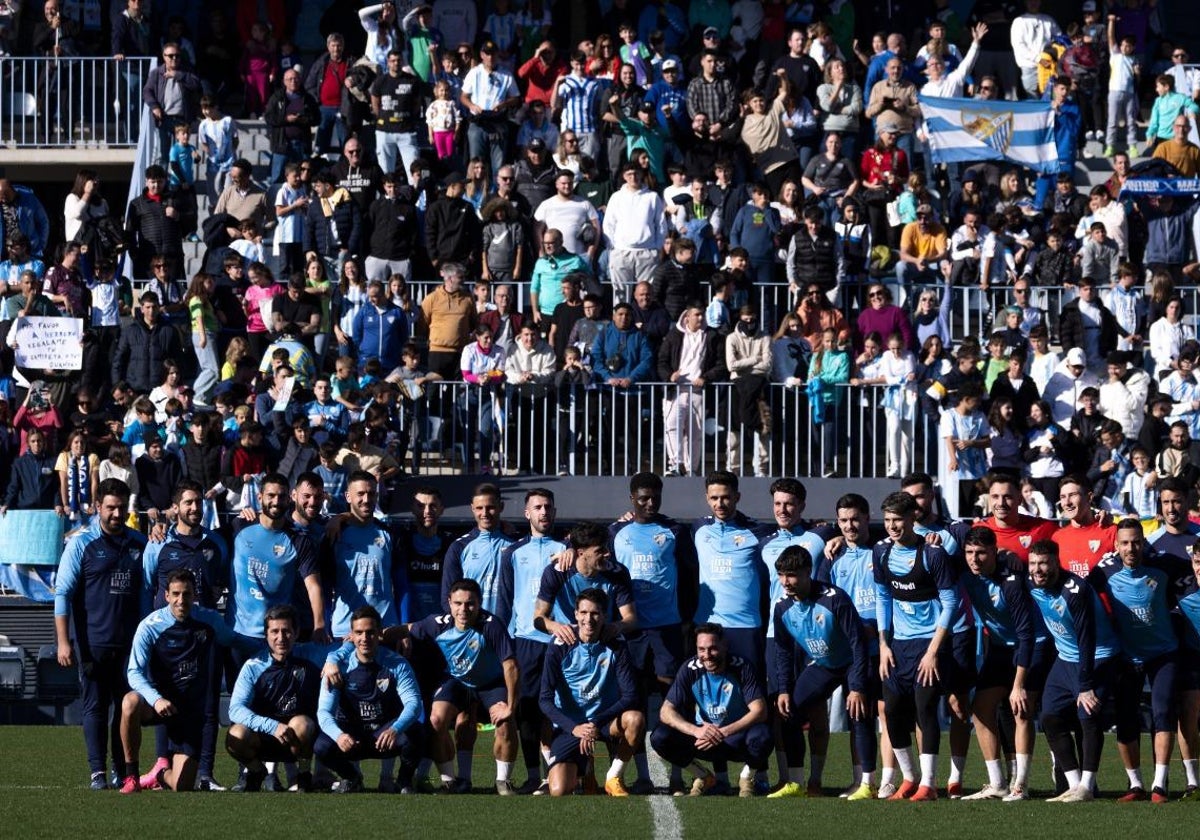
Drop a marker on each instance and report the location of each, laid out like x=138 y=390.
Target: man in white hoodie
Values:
x=635 y=229
x=1031 y=32
x=528 y=370
x=691 y=356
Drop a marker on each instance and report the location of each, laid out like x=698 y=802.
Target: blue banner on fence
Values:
x=1161 y=186
x=31 y=537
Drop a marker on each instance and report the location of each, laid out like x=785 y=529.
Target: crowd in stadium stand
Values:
x=551 y=204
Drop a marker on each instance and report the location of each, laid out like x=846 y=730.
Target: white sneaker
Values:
x=885 y=791
x=1079 y=793
x=988 y=791
x=1016 y=793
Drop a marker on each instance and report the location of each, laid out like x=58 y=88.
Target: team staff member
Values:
x=98 y=591
x=1016 y=660
x=715 y=711
x=917 y=602
x=481 y=669
x=169 y=679
x=589 y=692
x=371 y=709
x=819 y=621
x=1140 y=589
x=273 y=705
x=521 y=568
x=1083 y=675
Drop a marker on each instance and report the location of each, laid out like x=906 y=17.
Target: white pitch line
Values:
x=667 y=822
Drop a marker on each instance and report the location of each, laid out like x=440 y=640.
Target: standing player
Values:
x=917 y=602
x=362 y=558
x=658 y=553
x=592 y=568
x=189 y=545
x=308 y=497
x=788 y=497
x=1188 y=679
x=521 y=568
x=1015 y=662
x=1083 y=675
x=1141 y=589
x=372 y=709
x=589 y=692
x=1178 y=533
x=820 y=621
x=715 y=711
x=476 y=554
x=98 y=590
x=481 y=669
x=1085 y=539
x=273 y=705
x=424 y=546
x=1014 y=531
x=170 y=681
x=732 y=583
x=959 y=673
x=852 y=569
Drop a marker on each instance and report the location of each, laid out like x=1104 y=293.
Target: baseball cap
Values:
x=670 y=64
x=488 y=47
x=925 y=209
x=646 y=107
x=1075 y=357
x=712 y=32
x=890 y=127
x=1089 y=6
x=454 y=178
x=536 y=145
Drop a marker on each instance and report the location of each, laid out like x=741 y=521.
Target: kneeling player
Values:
x=273 y=706
x=1082 y=676
x=726 y=716
x=821 y=621
x=1017 y=658
x=589 y=693
x=481 y=669
x=373 y=710
x=169 y=677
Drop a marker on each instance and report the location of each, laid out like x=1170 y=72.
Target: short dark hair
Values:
x=113 y=487
x=721 y=477
x=1045 y=548
x=791 y=486
x=366 y=611
x=982 y=536
x=710 y=628
x=645 y=481
x=184 y=485
x=181 y=575
x=794 y=558
x=467 y=585
x=280 y=612
x=853 y=501
x=589 y=535
x=904 y=504
x=594 y=594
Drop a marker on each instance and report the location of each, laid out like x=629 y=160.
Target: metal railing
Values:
x=458 y=427
x=77 y=102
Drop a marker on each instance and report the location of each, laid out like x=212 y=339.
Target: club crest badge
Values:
x=993 y=130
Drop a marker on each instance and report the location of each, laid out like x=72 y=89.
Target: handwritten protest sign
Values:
x=50 y=343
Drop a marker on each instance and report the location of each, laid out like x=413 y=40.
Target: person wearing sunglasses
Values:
x=924 y=251
x=177 y=107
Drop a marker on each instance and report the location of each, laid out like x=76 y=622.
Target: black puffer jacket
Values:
x=202 y=463
x=141 y=353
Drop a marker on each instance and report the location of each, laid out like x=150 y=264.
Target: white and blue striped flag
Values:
x=969 y=130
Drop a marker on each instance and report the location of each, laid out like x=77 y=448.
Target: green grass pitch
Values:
x=43 y=793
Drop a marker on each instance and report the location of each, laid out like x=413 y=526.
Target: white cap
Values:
x=1075 y=357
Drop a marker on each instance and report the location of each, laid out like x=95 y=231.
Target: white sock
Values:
x=1135 y=777
x=615 y=769
x=796 y=774
x=928 y=769
x=503 y=770
x=1021 y=776
x=904 y=761
x=446 y=770
x=957 y=763
x=747 y=772
x=995 y=773
x=816 y=769
x=676 y=773
x=1191 y=767
x=464 y=764
x=1160 y=775
x=1088 y=779
x=642 y=763
x=270 y=765
x=866 y=778
x=1072 y=777
x=887 y=776
x=781 y=764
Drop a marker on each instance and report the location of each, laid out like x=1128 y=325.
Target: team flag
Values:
x=968 y=130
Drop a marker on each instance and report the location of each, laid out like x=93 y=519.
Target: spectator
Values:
x=883 y=317
x=635 y=231
x=1063 y=390
x=573 y=217
x=489 y=93
x=396 y=105
x=295 y=313
x=152 y=225
x=205 y=328
x=691 y=356
x=529 y=369
x=332 y=224
x=290 y=115
x=1124 y=70
x=84 y=208
x=33 y=484
x=325 y=84
x=1167 y=336
x=145 y=345
x=380 y=329
x=1046 y=446
x=883 y=171
x=482 y=368
x=1098 y=257
x=1179 y=151
x=754 y=228
x=448 y=319
x=748 y=360
x=453 y=229
x=158 y=471
x=1088 y=325
x=172 y=94
x=923 y=251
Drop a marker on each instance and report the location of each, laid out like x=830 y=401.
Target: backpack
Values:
x=1080 y=64
x=102 y=237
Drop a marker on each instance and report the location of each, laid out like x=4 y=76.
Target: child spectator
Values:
x=414 y=403
x=569 y=385
x=291 y=205
x=119 y=465
x=182 y=176
x=443 y=119
x=334 y=477
x=218 y=137
x=258 y=67
x=1137 y=497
